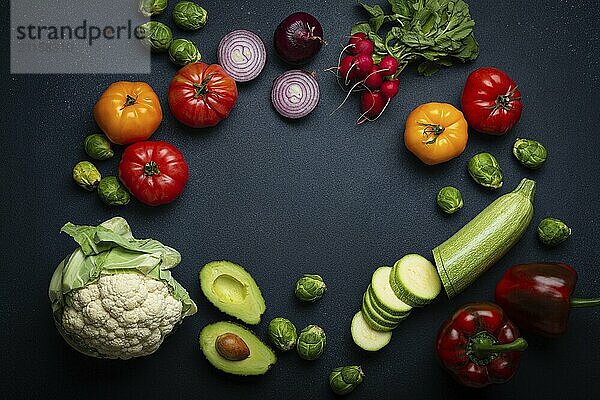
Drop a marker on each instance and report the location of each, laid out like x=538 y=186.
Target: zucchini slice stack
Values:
x=393 y=292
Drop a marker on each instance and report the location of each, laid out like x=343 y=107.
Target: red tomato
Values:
x=154 y=172
x=491 y=101
x=201 y=95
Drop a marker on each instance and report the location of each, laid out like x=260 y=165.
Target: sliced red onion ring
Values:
x=295 y=93
x=242 y=55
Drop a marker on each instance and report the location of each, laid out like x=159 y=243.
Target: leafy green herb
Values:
x=434 y=33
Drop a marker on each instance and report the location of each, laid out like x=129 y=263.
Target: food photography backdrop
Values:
x=318 y=195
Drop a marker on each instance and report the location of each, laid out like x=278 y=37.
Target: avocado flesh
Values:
x=231 y=289
x=261 y=357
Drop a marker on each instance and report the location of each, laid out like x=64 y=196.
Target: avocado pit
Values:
x=231 y=347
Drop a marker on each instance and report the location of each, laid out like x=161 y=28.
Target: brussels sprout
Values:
x=112 y=191
x=449 y=199
x=530 y=153
x=98 y=147
x=485 y=170
x=155 y=35
x=343 y=380
x=152 y=7
x=310 y=288
x=188 y=15
x=183 y=51
x=552 y=231
x=86 y=175
x=282 y=333
x=311 y=342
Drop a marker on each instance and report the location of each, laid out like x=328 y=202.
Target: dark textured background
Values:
x=320 y=195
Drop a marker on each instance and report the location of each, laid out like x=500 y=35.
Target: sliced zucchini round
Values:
x=374 y=324
x=374 y=320
x=379 y=306
x=365 y=337
x=415 y=280
x=386 y=316
x=384 y=295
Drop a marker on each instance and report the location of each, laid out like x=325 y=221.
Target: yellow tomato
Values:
x=436 y=132
x=128 y=112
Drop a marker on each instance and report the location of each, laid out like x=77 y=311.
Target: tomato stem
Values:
x=129 y=100
x=503 y=101
x=202 y=87
x=431 y=132
x=151 y=168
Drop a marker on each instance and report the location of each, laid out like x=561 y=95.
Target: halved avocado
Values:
x=232 y=290
x=261 y=357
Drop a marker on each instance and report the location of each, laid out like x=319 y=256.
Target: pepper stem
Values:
x=583 y=303
x=484 y=349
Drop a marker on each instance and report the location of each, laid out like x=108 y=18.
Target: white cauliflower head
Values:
x=114 y=296
x=122 y=316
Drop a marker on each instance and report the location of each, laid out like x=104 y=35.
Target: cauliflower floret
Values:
x=122 y=315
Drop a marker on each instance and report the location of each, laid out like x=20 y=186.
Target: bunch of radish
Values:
x=357 y=72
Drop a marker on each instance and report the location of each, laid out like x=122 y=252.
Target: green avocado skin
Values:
x=230 y=288
x=261 y=358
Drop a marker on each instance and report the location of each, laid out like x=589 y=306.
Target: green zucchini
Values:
x=366 y=337
x=461 y=259
x=415 y=280
x=384 y=295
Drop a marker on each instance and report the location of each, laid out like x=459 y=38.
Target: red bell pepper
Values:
x=479 y=346
x=537 y=296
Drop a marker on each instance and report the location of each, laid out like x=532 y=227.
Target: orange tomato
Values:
x=128 y=112
x=436 y=132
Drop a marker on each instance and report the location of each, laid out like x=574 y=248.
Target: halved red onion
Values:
x=242 y=55
x=295 y=93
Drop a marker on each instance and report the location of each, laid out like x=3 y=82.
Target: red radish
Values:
x=372 y=104
x=345 y=66
x=390 y=88
x=364 y=46
x=358 y=36
x=354 y=39
x=363 y=64
x=390 y=64
x=374 y=79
